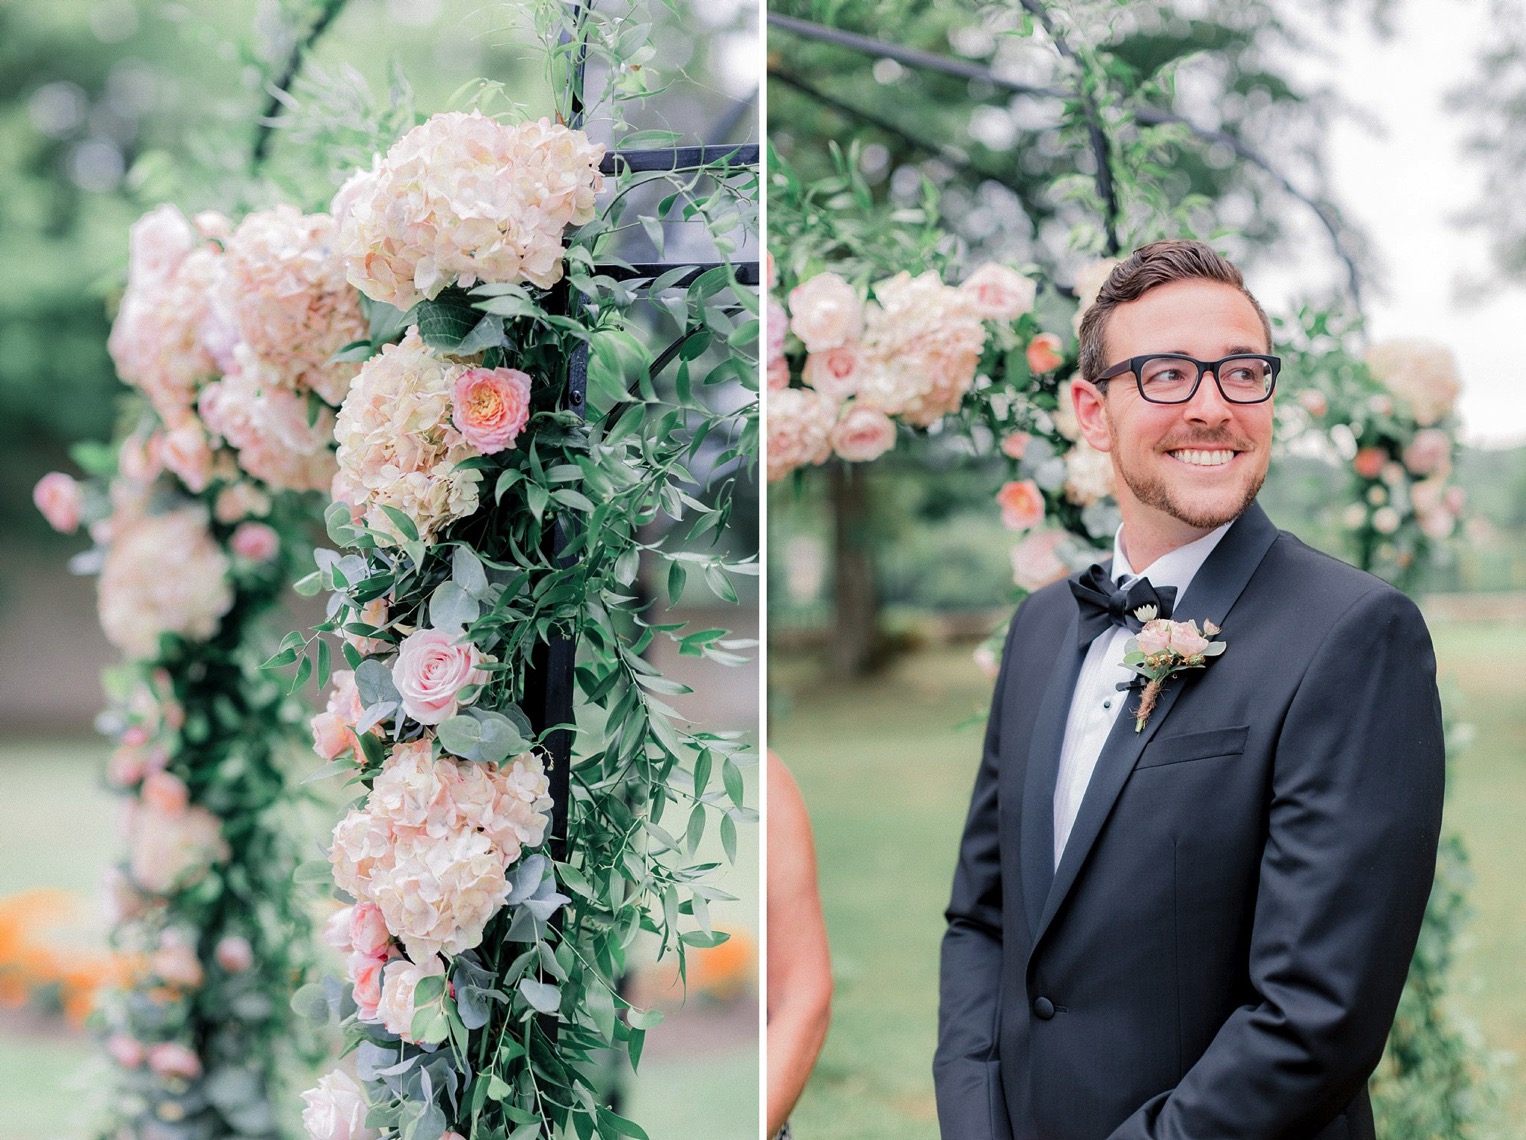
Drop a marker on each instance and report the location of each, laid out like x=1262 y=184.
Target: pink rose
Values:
x=368 y=931
x=1369 y=462
x=156 y=244
x=234 y=954
x=431 y=668
x=1014 y=446
x=336 y=930
x=255 y=542
x=1034 y=561
x=138 y=459
x=126 y=766
x=1046 y=352
x=332 y=737
x=1155 y=637
x=1186 y=640
x=399 y=984
x=825 y=312
x=1022 y=505
x=492 y=407
x=366 y=974
x=834 y=372
x=126 y=1051
x=336 y=1110
x=165 y=793
x=1456 y=500
x=1429 y=453
x=998 y=293
x=1314 y=402
x=171 y=1059
x=863 y=434
x=59 y=499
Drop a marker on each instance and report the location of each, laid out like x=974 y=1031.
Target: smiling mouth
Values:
x=1198 y=457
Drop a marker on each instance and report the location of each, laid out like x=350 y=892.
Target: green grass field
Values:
x=887 y=772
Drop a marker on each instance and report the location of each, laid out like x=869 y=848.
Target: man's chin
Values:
x=1200 y=511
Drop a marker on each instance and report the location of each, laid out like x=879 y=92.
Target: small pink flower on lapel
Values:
x=1162 y=649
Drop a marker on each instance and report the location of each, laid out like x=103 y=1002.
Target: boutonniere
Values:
x=1162 y=649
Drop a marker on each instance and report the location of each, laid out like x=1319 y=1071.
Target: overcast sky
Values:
x=1406 y=188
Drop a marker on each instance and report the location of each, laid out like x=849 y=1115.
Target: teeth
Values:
x=1204 y=458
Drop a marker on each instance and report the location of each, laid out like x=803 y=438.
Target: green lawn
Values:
x=886 y=771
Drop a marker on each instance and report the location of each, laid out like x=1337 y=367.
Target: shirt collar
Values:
x=1174 y=568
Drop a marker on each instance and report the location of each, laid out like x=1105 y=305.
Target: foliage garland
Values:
x=489 y=918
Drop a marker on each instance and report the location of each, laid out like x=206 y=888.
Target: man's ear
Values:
x=1091 y=414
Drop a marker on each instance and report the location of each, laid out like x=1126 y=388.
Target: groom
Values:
x=1198 y=930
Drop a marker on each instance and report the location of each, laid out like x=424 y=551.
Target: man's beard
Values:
x=1156 y=493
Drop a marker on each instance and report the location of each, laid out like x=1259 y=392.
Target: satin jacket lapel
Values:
x=1043 y=766
x=1210 y=597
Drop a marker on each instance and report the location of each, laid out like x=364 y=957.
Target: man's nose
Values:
x=1208 y=403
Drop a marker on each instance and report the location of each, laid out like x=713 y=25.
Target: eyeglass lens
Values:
x=1173 y=379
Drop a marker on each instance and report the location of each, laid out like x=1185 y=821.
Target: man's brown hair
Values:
x=1149 y=267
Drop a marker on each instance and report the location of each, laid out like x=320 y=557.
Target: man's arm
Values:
x=1348 y=863
x=969 y=983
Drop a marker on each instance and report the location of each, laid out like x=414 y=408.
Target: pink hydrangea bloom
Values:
x=491 y=407
x=398 y=446
x=163 y=574
x=1422 y=374
x=432 y=845
x=268 y=426
x=462 y=198
x=1088 y=474
x=922 y=341
x=1034 y=560
x=283 y=292
x=171 y=851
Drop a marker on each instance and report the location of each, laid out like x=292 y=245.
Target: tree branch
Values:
x=267 y=122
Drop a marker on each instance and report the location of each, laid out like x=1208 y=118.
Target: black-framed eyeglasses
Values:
x=1171 y=378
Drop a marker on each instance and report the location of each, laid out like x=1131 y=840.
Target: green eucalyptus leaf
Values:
x=451 y=608
x=543 y=997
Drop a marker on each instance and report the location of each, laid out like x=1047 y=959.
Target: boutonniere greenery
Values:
x=1162 y=649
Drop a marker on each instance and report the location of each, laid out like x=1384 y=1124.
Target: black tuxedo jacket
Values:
x=1220 y=951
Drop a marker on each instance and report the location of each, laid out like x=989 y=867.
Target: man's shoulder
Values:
x=1324 y=582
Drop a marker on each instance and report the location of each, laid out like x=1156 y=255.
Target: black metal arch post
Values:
x=549 y=686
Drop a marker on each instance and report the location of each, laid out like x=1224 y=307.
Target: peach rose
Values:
x=126 y=1051
x=1314 y=402
x=1022 y=504
x=255 y=542
x=332 y=737
x=1154 y=637
x=834 y=372
x=999 y=293
x=863 y=434
x=234 y=954
x=336 y=1110
x=1046 y=352
x=431 y=668
x=1034 y=561
x=826 y=312
x=165 y=793
x=1186 y=640
x=176 y=962
x=1369 y=462
x=186 y=452
x=491 y=406
x=60 y=500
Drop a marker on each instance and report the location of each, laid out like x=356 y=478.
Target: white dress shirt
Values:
x=1097 y=700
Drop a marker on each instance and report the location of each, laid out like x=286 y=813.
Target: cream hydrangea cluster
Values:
x=462 y=198
x=800 y=423
x=283 y=291
x=432 y=846
x=1420 y=373
x=164 y=336
x=923 y=340
x=163 y=573
x=397 y=445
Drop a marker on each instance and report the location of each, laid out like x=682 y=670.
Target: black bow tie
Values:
x=1103 y=605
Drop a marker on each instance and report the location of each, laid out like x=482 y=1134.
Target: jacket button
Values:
x=1043 y=1008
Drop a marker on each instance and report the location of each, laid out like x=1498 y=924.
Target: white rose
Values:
x=336 y=1110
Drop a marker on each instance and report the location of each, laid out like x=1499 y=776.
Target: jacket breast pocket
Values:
x=1165 y=750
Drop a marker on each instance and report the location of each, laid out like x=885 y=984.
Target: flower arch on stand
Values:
x=504 y=454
